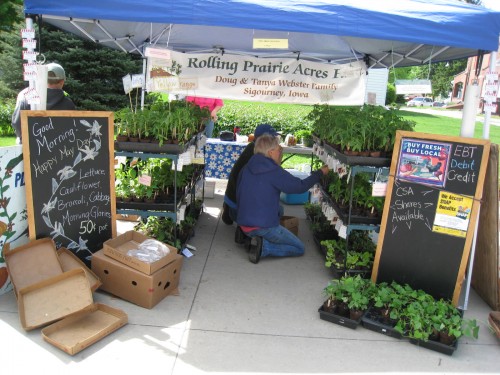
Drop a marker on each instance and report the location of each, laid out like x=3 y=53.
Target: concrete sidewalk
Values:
x=235 y=317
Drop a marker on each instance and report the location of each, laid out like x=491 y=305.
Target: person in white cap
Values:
x=57 y=98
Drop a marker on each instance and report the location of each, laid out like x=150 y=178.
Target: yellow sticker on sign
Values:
x=452 y=214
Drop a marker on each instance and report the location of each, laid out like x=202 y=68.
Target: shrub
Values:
x=285 y=118
x=6 y=110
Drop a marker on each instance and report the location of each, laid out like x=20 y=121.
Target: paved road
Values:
x=450 y=113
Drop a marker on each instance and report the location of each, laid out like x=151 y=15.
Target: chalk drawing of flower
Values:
x=89 y=153
x=95 y=128
x=57 y=230
x=47 y=207
x=66 y=173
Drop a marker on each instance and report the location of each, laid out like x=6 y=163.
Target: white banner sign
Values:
x=416 y=86
x=248 y=78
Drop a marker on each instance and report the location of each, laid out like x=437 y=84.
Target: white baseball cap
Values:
x=57 y=70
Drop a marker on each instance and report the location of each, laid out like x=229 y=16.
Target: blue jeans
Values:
x=233 y=209
x=278 y=242
x=209 y=128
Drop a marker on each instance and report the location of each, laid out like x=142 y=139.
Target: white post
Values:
x=470 y=110
x=41 y=86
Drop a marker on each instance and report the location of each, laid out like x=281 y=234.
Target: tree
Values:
x=10 y=13
x=94 y=73
x=442 y=76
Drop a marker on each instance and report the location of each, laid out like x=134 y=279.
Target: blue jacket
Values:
x=258 y=190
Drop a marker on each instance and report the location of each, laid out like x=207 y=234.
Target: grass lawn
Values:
x=7 y=141
x=443 y=125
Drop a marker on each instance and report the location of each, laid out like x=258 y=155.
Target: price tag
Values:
x=490 y=107
x=30 y=76
x=29 y=67
x=178 y=166
x=134 y=161
x=119 y=160
x=379 y=189
x=145 y=180
x=181 y=214
x=137 y=81
x=343 y=232
x=187 y=253
x=28 y=33
x=338 y=224
x=29 y=43
x=334 y=220
x=127 y=83
x=32 y=96
x=29 y=55
x=185 y=158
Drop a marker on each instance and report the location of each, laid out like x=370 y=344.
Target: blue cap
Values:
x=264 y=128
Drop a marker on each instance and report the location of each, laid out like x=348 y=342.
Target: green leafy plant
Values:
x=313 y=210
x=358 y=292
x=358 y=128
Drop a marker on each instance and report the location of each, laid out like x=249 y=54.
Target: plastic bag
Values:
x=150 y=251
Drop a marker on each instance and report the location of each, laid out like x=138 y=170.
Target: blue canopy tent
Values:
x=383 y=33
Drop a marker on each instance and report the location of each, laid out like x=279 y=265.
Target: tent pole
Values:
x=143 y=90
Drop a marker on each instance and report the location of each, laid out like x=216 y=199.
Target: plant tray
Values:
x=436 y=346
x=143 y=206
x=174 y=149
x=338 y=319
x=373 y=321
x=344 y=215
x=340 y=272
x=357 y=160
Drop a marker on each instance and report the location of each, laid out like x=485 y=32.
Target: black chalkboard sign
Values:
x=432 y=202
x=69 y=173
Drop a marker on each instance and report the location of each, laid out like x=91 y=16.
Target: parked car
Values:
x=439 y=104
x=420 y=101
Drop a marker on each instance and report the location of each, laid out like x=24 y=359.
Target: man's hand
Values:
x=325 y=169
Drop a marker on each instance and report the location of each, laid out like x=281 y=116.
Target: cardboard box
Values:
x=70 y=261
x=118 y=247
x=53 y=299
x=47 y=293
x=291 y=223
x=135 y=286
x=79 y=331
x=32 y=262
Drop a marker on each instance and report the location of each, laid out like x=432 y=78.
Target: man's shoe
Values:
x=225 y=215
x=239 y=236
x=255 y=250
